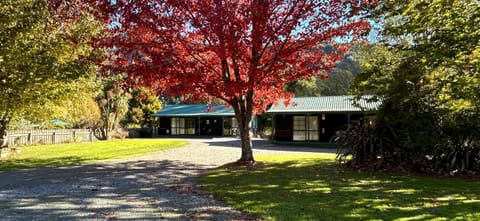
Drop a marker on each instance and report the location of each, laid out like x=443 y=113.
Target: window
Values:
x=305 y=128
x=313 y=128
x=190 y=126
x=183 y=126
x=299 y=128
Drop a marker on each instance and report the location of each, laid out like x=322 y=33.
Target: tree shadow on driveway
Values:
x=136 y=190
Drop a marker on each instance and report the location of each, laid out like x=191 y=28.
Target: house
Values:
x=306 y=119
x=195 y=119
x=315 y=119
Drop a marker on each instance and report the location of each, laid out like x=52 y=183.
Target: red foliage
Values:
x=242 y=52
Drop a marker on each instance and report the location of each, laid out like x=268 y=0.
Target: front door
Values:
x=211 y=126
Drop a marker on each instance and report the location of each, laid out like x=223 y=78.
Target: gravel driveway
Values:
x=159 y=186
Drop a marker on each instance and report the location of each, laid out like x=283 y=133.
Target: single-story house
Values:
x=305 y=119
x=195 y=119
x=315 y=119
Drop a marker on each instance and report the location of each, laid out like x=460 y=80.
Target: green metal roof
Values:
x=194 y=110
x=325 y=104
x=339 y=104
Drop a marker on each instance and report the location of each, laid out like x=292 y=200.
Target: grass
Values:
x=312 y=187
x=76 y=153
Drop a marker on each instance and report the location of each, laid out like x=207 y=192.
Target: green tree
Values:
x=427 y=73
x=80 y=106
x=443 y=32
x=113 y=104
x=446 y=39
x=407 y=115
x=76 y=105
x=341 y=77
x=38 y=54
x=338 y=82
x=306 y=87
x=142 y=104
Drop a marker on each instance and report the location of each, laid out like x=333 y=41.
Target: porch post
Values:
x=223 y=126
x=307 y=132
x=254 y=125
x=199 y=127
x=273 y=127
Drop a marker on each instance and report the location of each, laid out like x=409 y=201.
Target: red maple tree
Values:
x=242 y=52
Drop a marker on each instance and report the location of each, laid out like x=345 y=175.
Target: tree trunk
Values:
x=243 y=112
x=3 y=130
x=4 y=122
x=246 y=140
x=105 y=127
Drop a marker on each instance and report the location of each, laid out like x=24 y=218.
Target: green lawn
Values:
x=75 y=153
x=311 y=187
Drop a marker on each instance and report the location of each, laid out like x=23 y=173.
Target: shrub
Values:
x=417 y=140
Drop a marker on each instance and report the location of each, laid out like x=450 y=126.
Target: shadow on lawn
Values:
x=318 y=190
x=12 y=163
x=268 y=145
x=146 y=190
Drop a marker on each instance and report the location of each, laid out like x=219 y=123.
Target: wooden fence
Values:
x=33 y=137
